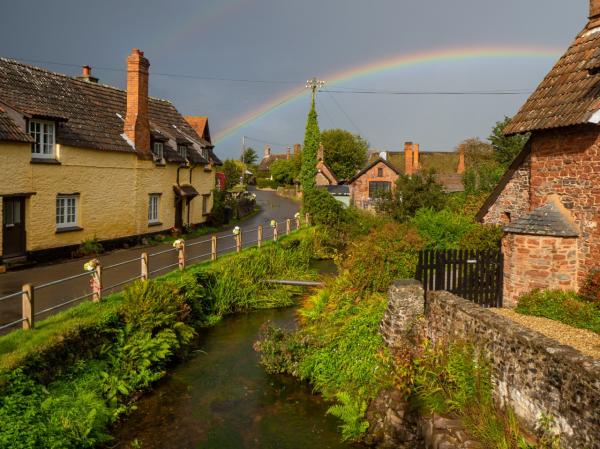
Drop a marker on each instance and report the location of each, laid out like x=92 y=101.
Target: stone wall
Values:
x=533 y=374
x=533 y=261
x=513 y=201
x=359 y=189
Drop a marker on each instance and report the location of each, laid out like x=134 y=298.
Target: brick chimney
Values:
x=408 y=158
x=86 y=75
x=321 y=153
x=461 y=160
x=137 y=126
x=594 y=9
x=267 y=152
x=416 y=157
x=296 y=150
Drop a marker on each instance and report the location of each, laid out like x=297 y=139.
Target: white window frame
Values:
x=44 y=134
x=66 y=211
x=158 y=150
x=182 y=150
x=153 y=208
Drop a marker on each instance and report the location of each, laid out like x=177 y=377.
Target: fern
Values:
x=352 y=413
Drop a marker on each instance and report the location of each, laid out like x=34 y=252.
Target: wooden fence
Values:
x=471 y=274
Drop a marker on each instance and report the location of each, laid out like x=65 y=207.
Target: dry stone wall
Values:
x=533 y=374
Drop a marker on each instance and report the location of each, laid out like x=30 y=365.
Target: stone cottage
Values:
x=549 y=199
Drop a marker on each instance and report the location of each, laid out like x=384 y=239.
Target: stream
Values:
x=223 y=399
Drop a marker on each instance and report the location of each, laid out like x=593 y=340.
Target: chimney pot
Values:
x=594 y=9
x=86 y=70
x=137 y=125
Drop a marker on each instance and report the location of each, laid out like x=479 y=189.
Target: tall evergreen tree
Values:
x=309 y=152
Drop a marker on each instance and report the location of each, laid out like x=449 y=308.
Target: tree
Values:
x=284 y=171
x=249 y=156
x=482 y=169
x=345 y=153
x=506 y=148
x=309 y=153
x=412 y=193
x=233 y=173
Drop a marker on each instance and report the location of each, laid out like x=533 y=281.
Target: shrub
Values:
x=443 y=229
x=387 y=253
x=266 y=183
x=323 y=208
x=591 y=287
x=564 y=306
x=482 y=237
x=90 y=247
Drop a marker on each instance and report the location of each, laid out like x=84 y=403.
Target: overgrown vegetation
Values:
x=456 y=380
x=309 y=150
x=63 y=383
x=564 y=306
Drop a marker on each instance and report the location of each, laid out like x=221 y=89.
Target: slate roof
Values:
x=265 y=163
x=10 y=131
x=570 y=93
x=339 y=190
x=546 y=220
x=442 y=162
x=89 y=115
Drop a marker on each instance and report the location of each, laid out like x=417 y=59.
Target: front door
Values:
x=13 y=223
x=179 y=212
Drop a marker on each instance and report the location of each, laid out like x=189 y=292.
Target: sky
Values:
x=244 y=63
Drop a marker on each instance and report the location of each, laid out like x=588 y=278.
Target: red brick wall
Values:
x=359 y=189
x=532 y=261
x=514 y=199
x=567 y=162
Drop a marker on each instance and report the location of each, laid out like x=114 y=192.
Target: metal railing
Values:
x=95 y=271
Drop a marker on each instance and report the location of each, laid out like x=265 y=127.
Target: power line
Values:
x=344 y=112
x=269 y=143
x=168 y=75
x=383 y=92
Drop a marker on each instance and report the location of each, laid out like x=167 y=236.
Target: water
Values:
x=223 y=399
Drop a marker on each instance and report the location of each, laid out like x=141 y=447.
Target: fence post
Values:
x=275 y=232
x=238 y=242
x=181 y=255
x=288 y=226
x=298 y=222
x=307 y=219
x=213 y=248
x=28 y=305
x=144 y=268
x=96 y=282
x=260 y=236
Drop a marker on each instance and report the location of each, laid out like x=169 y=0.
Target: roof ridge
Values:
x=74 y=78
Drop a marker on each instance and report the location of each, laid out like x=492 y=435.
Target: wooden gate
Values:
x=473 y=275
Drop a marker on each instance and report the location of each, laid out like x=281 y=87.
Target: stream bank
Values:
x=223 y=398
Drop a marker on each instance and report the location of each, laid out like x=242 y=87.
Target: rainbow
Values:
x=386 y=65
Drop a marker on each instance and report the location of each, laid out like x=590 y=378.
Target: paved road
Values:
x=272 y=207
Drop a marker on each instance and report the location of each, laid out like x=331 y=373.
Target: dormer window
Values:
x=182 y=150
x=158 y=150
x=44 y=134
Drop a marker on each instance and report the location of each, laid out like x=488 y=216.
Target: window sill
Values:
x=41 y=160
x=154 y=223
x=69 y=229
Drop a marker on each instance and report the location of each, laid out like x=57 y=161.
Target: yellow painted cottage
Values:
x=80 y=160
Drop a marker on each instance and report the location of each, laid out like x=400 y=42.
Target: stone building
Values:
x=384 y=168
x=81 y=160
x=549 y=200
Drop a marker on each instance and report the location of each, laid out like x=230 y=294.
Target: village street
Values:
x=272 y=207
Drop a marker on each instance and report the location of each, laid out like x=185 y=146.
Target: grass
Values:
x=89 y=318
x=564 y=306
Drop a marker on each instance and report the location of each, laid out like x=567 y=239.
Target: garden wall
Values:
x=533 y=374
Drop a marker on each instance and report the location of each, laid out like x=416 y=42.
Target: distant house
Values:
x=384 y=168
x=82 y=160
x=264 y=167
x=325 y=176
x=549 y=199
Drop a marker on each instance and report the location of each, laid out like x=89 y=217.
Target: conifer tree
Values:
x=309 y=152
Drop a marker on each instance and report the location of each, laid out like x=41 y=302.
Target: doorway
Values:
x=13 y=226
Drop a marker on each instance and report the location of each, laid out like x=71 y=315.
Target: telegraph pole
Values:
x=242 y=161
x=314 y=84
